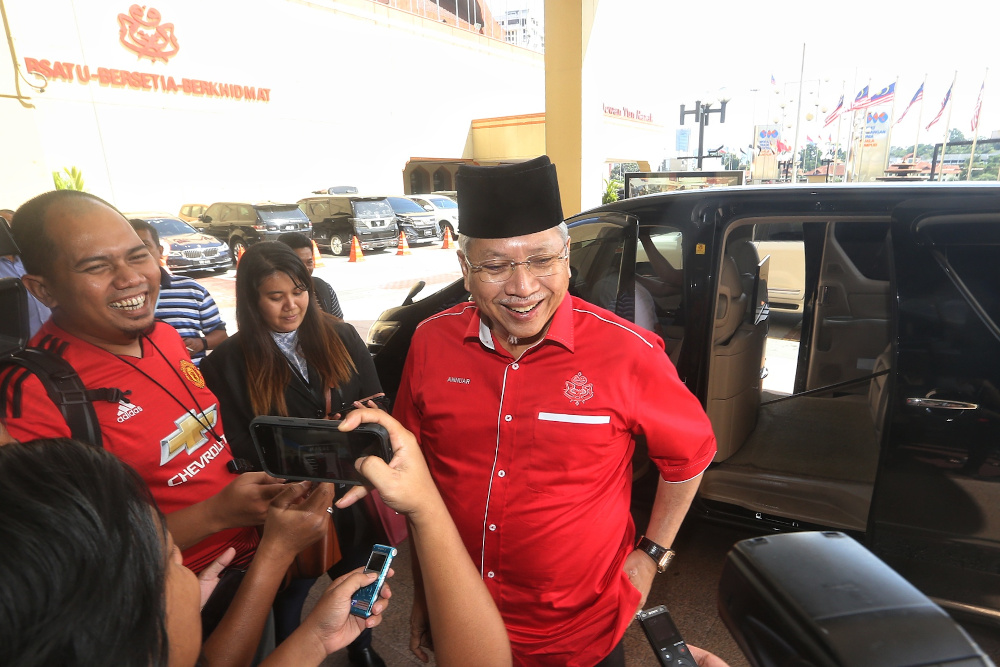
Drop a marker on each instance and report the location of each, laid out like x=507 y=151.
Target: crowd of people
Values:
x=524 y=549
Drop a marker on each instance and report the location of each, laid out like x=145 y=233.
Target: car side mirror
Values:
x=205 y=218
x=428 y=208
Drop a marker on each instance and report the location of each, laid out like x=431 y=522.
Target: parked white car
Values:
x=444 y=208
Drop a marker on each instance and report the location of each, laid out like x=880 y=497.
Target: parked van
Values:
x=338 y=217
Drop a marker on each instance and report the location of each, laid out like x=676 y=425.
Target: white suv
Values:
x=444 y=209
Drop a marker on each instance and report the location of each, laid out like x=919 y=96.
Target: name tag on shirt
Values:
x=574 y=419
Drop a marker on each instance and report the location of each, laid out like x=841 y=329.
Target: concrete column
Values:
x=568 y=25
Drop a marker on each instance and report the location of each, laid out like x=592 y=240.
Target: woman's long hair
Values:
x=268 y=373
x=83 y=559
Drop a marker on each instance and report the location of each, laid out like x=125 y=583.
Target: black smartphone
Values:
x=313 y=449
x=664 y=637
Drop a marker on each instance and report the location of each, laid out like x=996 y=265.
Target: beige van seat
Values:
x=737 y=355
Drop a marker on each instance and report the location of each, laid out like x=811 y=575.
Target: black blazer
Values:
x=225 y=374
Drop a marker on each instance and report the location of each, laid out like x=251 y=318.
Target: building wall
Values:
x=346 y=90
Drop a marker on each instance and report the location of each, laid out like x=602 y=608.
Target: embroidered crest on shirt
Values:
x=192 y=374
x=127 y=410
x=578 y=390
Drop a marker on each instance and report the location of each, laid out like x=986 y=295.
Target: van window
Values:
x=378 y=208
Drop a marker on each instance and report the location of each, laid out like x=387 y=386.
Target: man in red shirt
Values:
x=86 y=263
x=526 y=404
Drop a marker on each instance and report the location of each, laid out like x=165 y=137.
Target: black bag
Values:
x=60 y=380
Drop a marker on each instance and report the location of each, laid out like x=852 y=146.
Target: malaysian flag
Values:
x=772 y=80
x=919 y=95
x=859 y=101
x=979 y=107
x=836 y=112
x=947 y=98
x=884 y=95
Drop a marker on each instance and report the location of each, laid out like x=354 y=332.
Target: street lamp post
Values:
x=701 y=113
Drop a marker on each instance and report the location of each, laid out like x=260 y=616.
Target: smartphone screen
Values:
x=315 y=450
x=376 y=561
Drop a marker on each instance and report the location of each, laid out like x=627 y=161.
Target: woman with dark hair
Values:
x=91 y=575
x=291 y=359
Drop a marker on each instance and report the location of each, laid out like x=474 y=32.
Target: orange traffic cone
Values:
x=448 y=243
x=240 y=249
x=356 y=254
x=317 y=258
x=403 y=248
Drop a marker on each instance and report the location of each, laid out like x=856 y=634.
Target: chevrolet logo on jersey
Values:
x=191 y=434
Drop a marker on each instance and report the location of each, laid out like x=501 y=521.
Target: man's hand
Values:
x=420 y=629
x=706 y=659
x=245 y=500
x=640 y=569
x=405 y=484
x=208 y=579
x=297 y=518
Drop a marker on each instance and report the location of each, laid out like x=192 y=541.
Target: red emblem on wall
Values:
x=142 y=33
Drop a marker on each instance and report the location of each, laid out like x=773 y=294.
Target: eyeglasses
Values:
x=498 y=272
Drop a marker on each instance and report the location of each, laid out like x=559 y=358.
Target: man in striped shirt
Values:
x=184 y=303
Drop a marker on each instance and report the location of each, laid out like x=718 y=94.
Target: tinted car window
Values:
x=866 y=247
x=401 y=205
x=373 y=209
x=215 y=211
x=170 y=226
x=443 y=202
x=282 y=214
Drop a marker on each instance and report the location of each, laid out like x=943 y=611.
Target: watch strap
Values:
x=660 y=555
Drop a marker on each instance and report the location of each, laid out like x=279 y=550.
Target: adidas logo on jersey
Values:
x=127 y=411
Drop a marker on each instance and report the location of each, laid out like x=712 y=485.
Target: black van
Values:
x=338 y=217
x=875 y=410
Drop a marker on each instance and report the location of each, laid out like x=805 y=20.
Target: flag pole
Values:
x=920 y=119
x=892 y=118
x=947 y=124
x=798 y=117
x=836 y=146
x=975 y=130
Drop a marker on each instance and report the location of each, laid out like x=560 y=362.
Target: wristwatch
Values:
x=660 y=555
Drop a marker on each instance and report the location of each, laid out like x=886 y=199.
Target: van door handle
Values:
x=941 y=404
x=824 y=291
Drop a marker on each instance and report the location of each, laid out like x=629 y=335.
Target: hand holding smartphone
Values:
x=378 y=563
x=315 y=450
x=664 y=637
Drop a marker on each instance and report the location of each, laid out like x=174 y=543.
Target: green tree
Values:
x=611 y=187
x=73 y=180
x=619 y=169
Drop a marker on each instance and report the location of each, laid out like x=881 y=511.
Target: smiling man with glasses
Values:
x=527 y=404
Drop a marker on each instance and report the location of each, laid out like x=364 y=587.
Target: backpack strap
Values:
x=66 y=390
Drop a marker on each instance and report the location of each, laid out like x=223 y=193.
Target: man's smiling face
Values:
x=522 y=306
x=104 y=282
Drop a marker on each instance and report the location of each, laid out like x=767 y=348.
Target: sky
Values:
x=666 y=53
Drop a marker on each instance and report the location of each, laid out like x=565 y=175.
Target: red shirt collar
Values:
x=560 y=329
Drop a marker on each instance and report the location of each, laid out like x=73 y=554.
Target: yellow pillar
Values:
x=568 y=25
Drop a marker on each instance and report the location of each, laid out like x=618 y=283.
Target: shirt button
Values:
x=490 y=574
x=507 y=418
x=514 y=366
x=501 y=474
x=493 y=526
